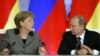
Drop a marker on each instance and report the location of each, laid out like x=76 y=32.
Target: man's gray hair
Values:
x=82 y=20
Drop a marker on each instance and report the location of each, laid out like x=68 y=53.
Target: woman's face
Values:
x=28 y=24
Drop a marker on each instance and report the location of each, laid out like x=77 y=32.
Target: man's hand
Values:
x=82 y=51
x=85 y=50
x=90 y=51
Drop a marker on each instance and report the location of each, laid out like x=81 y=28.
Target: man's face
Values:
x=75 y=27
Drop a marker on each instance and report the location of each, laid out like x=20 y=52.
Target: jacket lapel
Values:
x=29 y=39
x=19 y=39
x=86 y=38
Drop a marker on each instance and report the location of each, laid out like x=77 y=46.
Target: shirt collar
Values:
x=16 y=31
x=82 y=35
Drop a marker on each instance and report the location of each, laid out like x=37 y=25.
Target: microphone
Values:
x=78 y=45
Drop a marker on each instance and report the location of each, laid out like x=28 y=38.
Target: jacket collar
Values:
x=16 y=31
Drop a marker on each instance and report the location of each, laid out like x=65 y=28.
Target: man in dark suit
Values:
x=89 y=42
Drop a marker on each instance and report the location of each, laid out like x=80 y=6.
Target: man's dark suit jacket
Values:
x=69 y=42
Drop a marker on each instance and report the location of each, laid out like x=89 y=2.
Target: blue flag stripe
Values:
x=41 y=10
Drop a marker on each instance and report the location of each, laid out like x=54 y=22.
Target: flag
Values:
x=50 y=22
x=84 y=8
x=95 y=18
x=8 y=10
